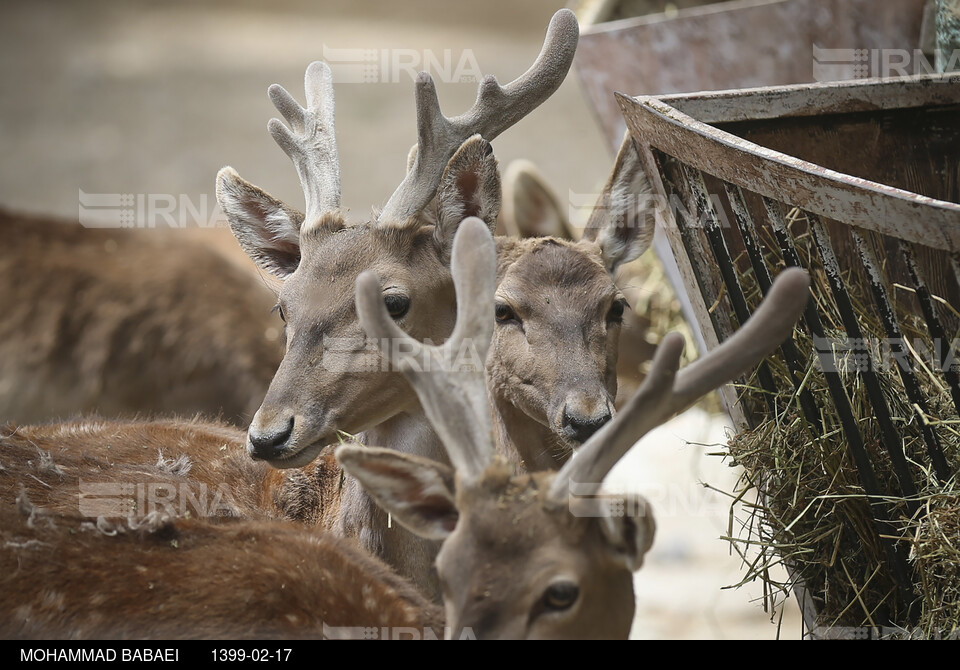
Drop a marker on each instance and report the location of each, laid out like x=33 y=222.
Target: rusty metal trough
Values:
x=872 y=168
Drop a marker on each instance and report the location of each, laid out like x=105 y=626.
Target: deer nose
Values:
x=580 y=428
x=268 y=443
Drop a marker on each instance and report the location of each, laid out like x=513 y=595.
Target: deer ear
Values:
x=530 y=207
x=629 y=529
x=470 y=186
x=622 y=222
x=412 y=157
x=267 y=229
x=416 y=491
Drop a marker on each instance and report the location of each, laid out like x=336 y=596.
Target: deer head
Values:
x=318 y=254
x=540 y=555
x=559 y=316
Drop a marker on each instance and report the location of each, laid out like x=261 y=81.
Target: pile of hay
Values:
x=800 y=505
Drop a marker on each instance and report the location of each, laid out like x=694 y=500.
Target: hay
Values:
x=800 y=505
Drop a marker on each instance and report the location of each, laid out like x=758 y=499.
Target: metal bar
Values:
x=706 y=282
x=937 y=334
x=673 y=230
x=955 y=266
x=791 y=354
x=889 y=435
x=728 y=272
x=896 y=558
x=904 y=363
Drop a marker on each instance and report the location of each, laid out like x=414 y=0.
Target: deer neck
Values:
x=524 y=441
x=409 y=432
x=361 y=517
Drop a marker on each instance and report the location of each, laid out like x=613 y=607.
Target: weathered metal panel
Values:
x=831 y=194
x=734 y=45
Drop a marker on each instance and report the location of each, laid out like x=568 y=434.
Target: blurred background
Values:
x=154 y=97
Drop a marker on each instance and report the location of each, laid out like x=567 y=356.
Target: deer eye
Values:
x=504 y=313
x=615 y=315
x=279 y=310
x=397 y=305
x=560 y=596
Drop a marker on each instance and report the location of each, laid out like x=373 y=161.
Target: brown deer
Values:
x=123 y=322
x=532 y=209
x=518 y=559
x=544 y=554
x=107 y=530
x=321 y=388
x=553 y=366
x=551 y=388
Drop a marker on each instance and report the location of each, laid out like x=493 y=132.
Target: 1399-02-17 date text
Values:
x=254 y=654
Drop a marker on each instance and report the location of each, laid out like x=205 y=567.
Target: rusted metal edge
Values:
x=817 y=99
x=627 y=24
x=834 y=195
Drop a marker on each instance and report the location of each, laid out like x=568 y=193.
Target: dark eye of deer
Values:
x=561 y=596
x=279 y=310
x=397 y=305
x=504 y=313
x=615 y=315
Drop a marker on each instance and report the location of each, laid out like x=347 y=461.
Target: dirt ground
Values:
x=146 y=97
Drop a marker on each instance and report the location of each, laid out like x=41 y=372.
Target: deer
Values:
x=127 y=322
x=532 y=555
x=532 y=209
x=562 y=320
x=80 y=560
x=315 y=397
x=546 y=554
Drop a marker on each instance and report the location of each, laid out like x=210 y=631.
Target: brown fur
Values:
x=50 y=462
x=121 y=322
x=553 y=544
x=562 y=358
x=65 y=578
x=533 y=209
x=166 y=571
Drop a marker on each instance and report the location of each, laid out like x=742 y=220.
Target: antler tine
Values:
x=310 y=141
x=448 y=379
x=496 y=109
x=665 y=392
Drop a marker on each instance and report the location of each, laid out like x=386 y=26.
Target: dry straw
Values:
x=800 y=505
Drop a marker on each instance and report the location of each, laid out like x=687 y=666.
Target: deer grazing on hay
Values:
x=322 y=388
x=528 y=556
x=127 y=322
x=536 y=555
